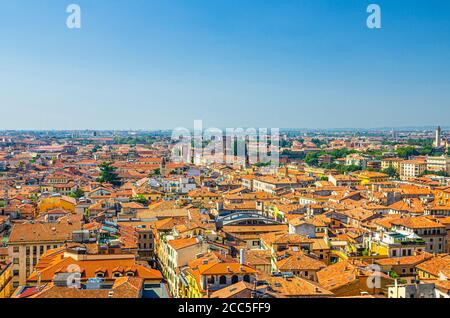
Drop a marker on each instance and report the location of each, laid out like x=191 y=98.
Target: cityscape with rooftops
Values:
x=115 y=214
x=333 y=184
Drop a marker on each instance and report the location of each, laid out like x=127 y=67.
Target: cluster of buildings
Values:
x=144 y=226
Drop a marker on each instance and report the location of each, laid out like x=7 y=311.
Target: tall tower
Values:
x=162 y=167
x=437 y=141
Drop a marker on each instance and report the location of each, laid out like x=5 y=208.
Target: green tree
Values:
x=318 y=142
x=108 y=174
x=312 y=158
x=95 y=149
x=140 y=199
x=263 y=164
x=393 y=274
x=286 y=143
x=350 y=168
x=391 y=172
x=406 y=152
x=78 y=193
x=436 y=173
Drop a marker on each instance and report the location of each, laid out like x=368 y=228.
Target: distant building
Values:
x=341 y=180
x=411 y=169
x=433 y=233
x=368 y=177
x=324 y=159
x=391 y=163
x=356 y=160
x=440 y=163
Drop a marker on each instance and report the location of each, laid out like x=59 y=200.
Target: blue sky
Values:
x=154 y=64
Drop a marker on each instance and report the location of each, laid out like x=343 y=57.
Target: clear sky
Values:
x=156 y=64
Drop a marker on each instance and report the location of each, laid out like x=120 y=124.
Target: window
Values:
x=234 y=279
x=16 y=260
x=247 y=278
x=117 y=274
x=222 y=280
x=211 y=280
x=16 y=249
x=100 y=274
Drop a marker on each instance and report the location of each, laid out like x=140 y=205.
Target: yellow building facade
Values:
x=368 y=177
x=6 y=281
x=56 y=202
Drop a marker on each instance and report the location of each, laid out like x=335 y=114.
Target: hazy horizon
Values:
x=331 y=129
